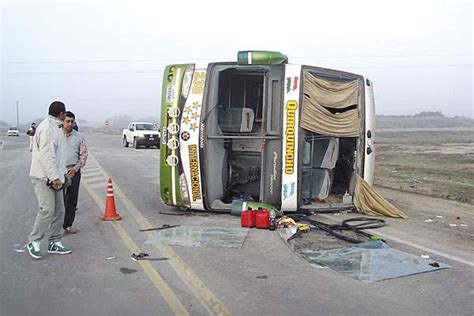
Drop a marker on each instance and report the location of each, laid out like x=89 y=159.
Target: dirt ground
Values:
x=434 y=162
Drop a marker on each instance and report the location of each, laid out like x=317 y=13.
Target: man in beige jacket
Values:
x=48 y=167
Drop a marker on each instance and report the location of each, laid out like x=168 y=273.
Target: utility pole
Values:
x=17 y=115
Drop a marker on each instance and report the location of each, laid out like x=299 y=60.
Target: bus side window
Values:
x=274 y=108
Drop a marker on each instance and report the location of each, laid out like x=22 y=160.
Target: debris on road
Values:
x=354 y=252
x=200 y=236
x=164 y=226
x=145 y=256
x=176 y=213
x=371 y=261
x=355 y=227
x=140 y=256
x=298 y=231
x=187 y=213
x=17 y=248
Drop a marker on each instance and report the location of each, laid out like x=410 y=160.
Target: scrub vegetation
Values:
x=426 y=159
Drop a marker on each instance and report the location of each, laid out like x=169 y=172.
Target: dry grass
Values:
x=435 y=162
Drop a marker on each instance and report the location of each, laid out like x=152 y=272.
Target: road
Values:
x=264 y=277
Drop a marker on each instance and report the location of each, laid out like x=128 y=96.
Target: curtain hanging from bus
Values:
x=330 y=107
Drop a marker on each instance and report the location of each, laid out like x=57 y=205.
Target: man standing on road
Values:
x=48 y=168
x=76 y=157
x=31 y=132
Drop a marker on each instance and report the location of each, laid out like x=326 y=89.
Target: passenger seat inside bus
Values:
x=235 y=120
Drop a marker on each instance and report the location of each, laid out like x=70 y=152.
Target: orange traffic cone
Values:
x=110 y=214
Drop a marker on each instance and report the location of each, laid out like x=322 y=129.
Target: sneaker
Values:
x=57 y=247
x=70 y=230
x=34 y=250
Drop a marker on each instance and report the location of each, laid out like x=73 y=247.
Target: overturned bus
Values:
x=261 y=129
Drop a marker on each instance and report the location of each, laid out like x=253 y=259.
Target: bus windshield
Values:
x=146 y=127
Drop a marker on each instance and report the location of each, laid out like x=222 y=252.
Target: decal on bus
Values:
x=190 y=138
x=289 y=196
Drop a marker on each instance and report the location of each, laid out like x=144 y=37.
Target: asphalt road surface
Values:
x=264 y=277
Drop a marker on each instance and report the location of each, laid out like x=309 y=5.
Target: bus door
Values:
x=270 y=184
x=331 y=135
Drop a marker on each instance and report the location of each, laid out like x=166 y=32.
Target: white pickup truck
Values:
x=141 y=134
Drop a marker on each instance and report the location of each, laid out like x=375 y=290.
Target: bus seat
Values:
x=325 y=153
x=317 y=183
x=235 y=120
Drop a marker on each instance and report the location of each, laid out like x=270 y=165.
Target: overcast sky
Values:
x=107 y=58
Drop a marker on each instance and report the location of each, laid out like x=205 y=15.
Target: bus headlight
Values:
x=188 y=77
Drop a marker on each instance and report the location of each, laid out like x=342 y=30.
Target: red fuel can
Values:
x=262 y=219
x=247 y=218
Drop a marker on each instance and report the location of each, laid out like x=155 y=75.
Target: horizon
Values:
x=101 y=123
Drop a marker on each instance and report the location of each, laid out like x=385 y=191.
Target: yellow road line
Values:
x=165 y=291
x=207 y=298
x=199 y=289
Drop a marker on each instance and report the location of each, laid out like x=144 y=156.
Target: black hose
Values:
x=335 y=230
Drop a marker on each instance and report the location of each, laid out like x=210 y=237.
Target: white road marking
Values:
x=97 y=185
x=100 y=179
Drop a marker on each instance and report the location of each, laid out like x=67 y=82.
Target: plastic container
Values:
x=262 y=219
x=239 y=205
x=347 y=198
x=248 y=218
